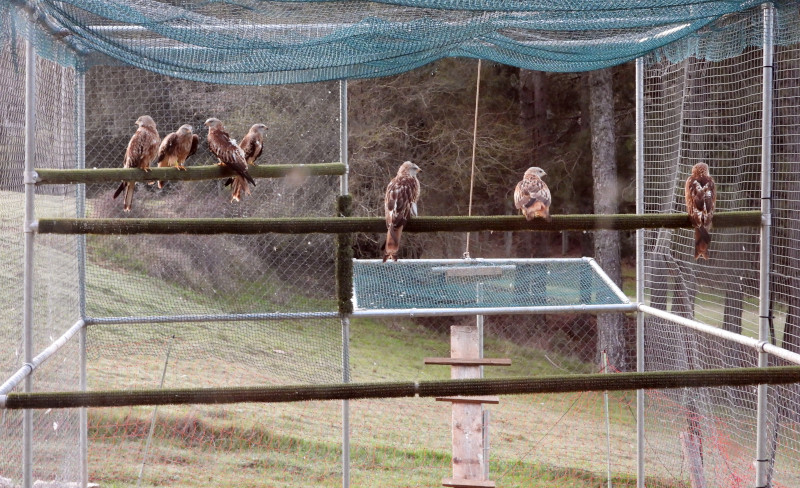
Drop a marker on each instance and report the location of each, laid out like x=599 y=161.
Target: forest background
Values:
x=578 y=127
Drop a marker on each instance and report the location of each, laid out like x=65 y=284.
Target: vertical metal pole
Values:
x=345 y=403
x=640 y=269
x=608 y=423
x=80 y=211
x=343 y=180
x=80 y=189
x=344 y=190
x=27 y=280
x=84 y=418
x=762 y=461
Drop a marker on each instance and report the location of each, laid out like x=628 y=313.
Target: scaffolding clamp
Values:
x=30 y=177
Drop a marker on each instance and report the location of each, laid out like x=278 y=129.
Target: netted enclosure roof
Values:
x=275 y=42
x=470 y=286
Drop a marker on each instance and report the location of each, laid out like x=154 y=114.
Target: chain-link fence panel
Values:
x=197 y=445
x=54 y=272
x=705 y=109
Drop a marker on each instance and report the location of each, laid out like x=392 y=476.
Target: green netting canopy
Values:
x=483 y=286
x=275 y=42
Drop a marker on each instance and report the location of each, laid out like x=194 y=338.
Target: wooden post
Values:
x=467 y=417
x=469 y=462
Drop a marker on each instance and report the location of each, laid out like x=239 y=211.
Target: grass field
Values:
x=552 y=440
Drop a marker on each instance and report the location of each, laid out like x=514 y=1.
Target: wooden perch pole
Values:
x=339 y=225
x=194 y=173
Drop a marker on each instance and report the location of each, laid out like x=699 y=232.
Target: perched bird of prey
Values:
x=176 y=147
x=700 y=199
x=142 y=150
x=400 y=204
x=229 y=154
x=532 y=196
x=252 y=145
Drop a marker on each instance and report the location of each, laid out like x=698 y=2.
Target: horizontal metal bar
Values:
x=455 y=312
x=192 y=173
x=40 y=358
x=353 y=391
x=724 y=334
x=475 y=261
x=231 y=317
x=342 y=225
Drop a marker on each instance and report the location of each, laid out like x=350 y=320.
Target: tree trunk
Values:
x=532 y=118
x=604 y=172
x=532 y=107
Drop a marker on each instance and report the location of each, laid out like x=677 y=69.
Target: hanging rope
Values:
x=474 y=145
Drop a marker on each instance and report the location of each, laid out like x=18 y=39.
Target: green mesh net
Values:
x=276 y=42
x=477 y=283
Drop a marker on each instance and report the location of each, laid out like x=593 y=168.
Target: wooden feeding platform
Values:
x=451 y=287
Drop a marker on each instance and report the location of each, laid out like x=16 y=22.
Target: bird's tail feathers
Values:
x=536 y=208
x=392 y=243
x=119 y=190
x=249 y=178
x=162 y=164
x=702 y=241
x=129 y=186
x=239 y=184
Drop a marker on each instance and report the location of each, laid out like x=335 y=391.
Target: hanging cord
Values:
x=474 y=145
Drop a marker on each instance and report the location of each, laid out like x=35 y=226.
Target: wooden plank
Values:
x=470 y=399
x=460 y=483
x=469 y=362
x=467 y=413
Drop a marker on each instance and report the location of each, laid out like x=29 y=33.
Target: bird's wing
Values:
x=519 y=195
x=167 y=147
x=531 y=190
x=709 y=195
x=141 y=148
x=221 y=145
x=703 y=195
x=252 y=147
x=224 y=149
x=195 y=143
x=400 y=200
x=695 y=201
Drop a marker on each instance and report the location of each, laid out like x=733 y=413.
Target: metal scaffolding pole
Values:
x=344 y=190
x=80 y=212
x=640 y=474
x=27 y=280
x=762 y=447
